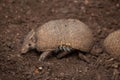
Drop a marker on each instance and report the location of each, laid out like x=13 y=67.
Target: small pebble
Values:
x=40 y=68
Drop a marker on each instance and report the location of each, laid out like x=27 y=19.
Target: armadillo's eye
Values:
x=29 y=44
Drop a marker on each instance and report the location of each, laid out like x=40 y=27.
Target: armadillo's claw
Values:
x=64 y=48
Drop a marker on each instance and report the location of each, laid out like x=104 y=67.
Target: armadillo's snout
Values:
x=24 y=50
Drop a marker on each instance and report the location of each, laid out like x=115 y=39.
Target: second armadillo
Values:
x=112 y=43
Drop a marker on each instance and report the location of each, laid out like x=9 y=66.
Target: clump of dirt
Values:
x=18 y=17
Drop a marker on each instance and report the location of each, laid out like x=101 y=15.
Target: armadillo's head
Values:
x=29 y=42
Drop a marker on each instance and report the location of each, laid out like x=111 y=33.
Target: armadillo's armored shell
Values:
x=112 y=43
x=69 y=32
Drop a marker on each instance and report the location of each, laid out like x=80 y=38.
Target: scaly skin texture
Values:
x=69 y=32
x=112 y=43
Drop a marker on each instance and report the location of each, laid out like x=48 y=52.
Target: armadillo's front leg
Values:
x=83 y=57
x=44 y=55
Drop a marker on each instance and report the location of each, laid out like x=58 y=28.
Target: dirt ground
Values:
x=18 y=17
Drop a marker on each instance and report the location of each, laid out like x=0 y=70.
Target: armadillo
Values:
x=112 y=43
x=61 y=34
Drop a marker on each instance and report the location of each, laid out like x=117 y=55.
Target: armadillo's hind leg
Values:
x=44 y=55
x=62 y=54
x=65 y=50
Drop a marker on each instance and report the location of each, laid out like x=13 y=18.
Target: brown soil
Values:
x=18 y=17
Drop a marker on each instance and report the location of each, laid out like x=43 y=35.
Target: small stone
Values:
x=117 y=5
x=40 y=68
x=75 y=1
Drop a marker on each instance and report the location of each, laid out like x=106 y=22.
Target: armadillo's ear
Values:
x=31 y=34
